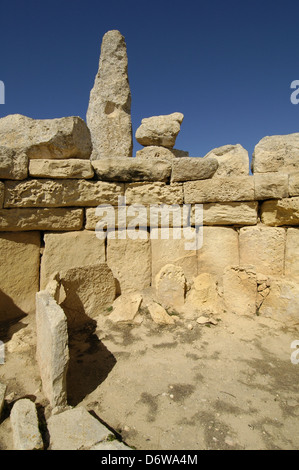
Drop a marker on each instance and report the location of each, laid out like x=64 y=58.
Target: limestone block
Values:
x=271 y=185
x=263 y=247
x=88 y=290
x=282 y=302
x=60 y=193
x=66 y=137
x=126 y=309
x=57 y=219
x=203 y=298
x=52 y=351
x=69 y=250
x=1 y=194
x=159 y=130
x=189 y=169
x=292 y=253
x=2 y=397
x=220 y=249
x=24 y=423
x=132 y=169
x=155 y=151
x=277 y=153
x=219 y=189
x=280 y=212
x=170 y=283
x=229 y=213
x=19 y=274
x=71 y=168
x=13 y=164
x=233 y=160
x=159 y=314
x=109 y=110
x=75 y=429
x=154 y=193
x=129 y=259
x=294 y=184
x=240 y=290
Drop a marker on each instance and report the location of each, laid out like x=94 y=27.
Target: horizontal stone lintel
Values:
x=54 y=219
x=219 y=189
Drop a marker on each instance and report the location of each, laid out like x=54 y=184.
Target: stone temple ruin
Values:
x=57 y=266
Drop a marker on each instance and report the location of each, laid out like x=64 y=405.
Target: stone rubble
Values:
x=24 y=423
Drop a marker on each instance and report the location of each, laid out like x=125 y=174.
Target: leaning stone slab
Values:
x=159 y=314
x=233 y=160
x=280 y=212
x=13 y=164
x=189 y=169
x=52 y=348
x=170 y=283
x=294 y=184
x=54 y=219
x=132 y=169
x=156 y=151
x=271 y=185
x=24 y=422
x=66 y=137
x=71 y=168
x=292 y=254
x=109 y=110
x=126 y=309
x=61 y=193
x=76 y=429
x=229 y=213
x=2 y=397
x=222 y=189
x=240 y=290
x=69 y=250
x=159 y=130
x=1 y=194
x=154 y=193
x=277 y=153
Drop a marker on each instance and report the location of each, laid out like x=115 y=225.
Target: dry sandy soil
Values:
x=225 y=386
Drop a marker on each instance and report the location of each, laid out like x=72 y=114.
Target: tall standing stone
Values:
x=109 y=111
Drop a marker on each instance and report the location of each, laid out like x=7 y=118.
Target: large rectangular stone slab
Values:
x=69 y=250
x=154 y=193
x=52 y=351
x=189 y=169
x=57 y=219
x=271 y=185
x=72 y=168
x=61 y=193
x=25 y=426
x=280 y=212
x=229 y=213
x=132 y=169
x=19 y=274
x=219 y=189
x=13 y=164
x=263 y=247
x=292 y=253
x=240 y=290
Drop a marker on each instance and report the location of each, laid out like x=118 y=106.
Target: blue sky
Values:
x=226 y=65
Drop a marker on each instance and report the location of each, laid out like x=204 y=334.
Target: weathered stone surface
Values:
x=170 y=286
x=129 y=260
x=155 y=151
x=13 y=164
x=271 y=185
x=189 y=169
x=240 y=290
x=233 y=160
x=282 y=302
x=2 y=397
x=75 y=429
x=126 y=309
x=1 y=194
x=113 y=445
x=52 y=351
x=109 y=111
x=19 y=274
x=71 y=168
x=229 y=213
x=132 y=169
x=88 y=289
x=69 y=250
x=263 y=247
x=276 y=153
x=66 y=137
x=280 y=212
x=166 y=249
x=60 y=193
x=294 y=184
x=292 y=253
x=154 y=193
x=57 y=219
x=159 y=130
x=222 y=189
x=220 y=249
x=159 y=314
x=203 y=298
x=24 y=422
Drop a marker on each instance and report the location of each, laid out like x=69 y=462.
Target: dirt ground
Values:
x=225 y=386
